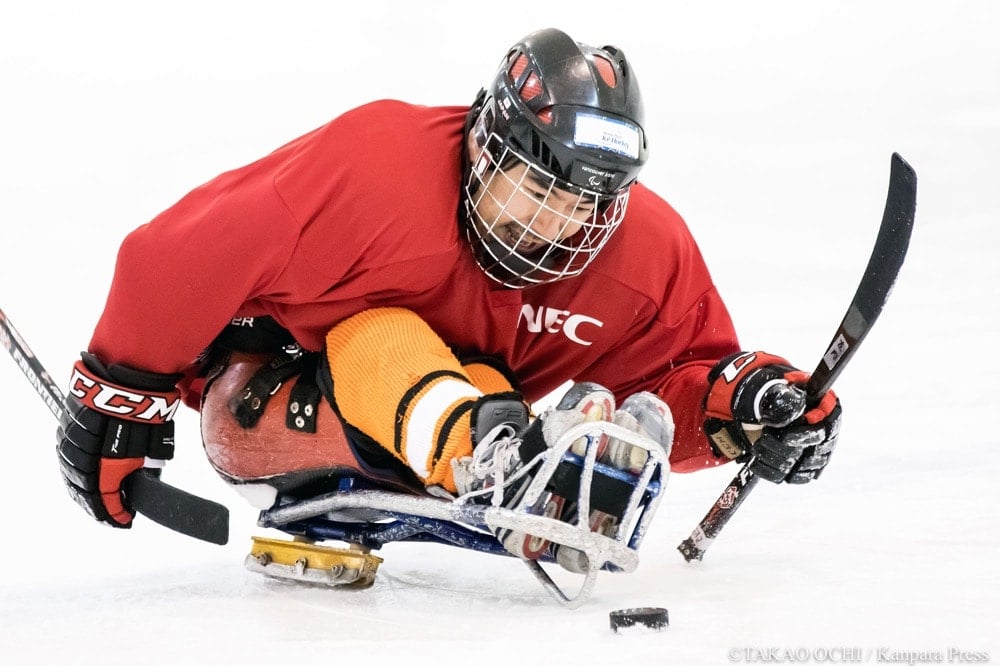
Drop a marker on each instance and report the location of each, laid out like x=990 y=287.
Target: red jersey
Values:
x=363 y=212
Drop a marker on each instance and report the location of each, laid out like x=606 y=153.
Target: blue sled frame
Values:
x=361 y=513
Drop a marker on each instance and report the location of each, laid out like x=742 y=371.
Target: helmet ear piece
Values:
x=480 y=128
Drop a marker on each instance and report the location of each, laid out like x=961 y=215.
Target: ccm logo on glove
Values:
x=120 y=402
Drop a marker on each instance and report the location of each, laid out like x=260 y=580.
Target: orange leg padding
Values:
x=395 y=380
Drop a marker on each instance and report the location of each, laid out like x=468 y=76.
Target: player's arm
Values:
x=177 y=282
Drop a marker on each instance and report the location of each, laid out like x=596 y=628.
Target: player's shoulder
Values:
x=388 y=134
x=650 y=214
x=388 y=115
x=381 y=108
x=653 y=241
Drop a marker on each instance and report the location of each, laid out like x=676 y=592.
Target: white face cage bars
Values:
x=526 y=226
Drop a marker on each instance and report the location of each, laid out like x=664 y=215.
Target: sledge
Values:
x=319 y=489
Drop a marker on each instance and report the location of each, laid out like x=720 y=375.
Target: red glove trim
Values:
x=122 y=402
x=721 y=393
x=821 y=411
x=113 y=471
x=796 y=376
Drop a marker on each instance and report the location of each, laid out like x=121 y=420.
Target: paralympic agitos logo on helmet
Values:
x=597 y=177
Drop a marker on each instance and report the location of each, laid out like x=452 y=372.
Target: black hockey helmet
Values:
x=572 y=109
x=574 y=115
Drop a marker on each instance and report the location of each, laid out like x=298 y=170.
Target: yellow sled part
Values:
x=312 y=563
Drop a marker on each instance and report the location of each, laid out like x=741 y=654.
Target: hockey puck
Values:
x=654 y=619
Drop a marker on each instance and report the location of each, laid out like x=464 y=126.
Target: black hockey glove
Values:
x=116 y=421
x=756 y=411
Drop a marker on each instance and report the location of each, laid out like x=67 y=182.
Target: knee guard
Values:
x=395 y=380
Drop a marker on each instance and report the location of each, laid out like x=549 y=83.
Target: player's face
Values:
x=527 y=212
x=526 y=230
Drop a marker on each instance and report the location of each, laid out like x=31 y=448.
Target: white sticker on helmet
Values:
x=606 y=134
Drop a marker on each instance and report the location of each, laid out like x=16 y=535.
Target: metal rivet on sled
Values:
x=299 y=422
x=308 y=411
x=255 y=403
x=293 y=407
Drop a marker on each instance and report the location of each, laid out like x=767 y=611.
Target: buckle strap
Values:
x=248 y=405
x=303 y=401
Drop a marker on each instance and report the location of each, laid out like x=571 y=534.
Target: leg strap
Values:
x=248 y=406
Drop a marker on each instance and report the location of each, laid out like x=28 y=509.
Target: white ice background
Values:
x=771 y=126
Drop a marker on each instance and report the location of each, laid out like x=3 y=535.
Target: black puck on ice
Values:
x=655 y=619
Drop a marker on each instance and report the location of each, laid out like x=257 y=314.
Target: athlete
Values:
x=403 y=282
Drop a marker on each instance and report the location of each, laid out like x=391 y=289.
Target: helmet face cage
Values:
x=527 y=226
x=558 y=141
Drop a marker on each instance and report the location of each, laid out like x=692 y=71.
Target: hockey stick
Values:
x=880 y=275
x=160 y=502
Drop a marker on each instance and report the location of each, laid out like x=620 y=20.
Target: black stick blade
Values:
x=880 y=275
x=179 y=510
